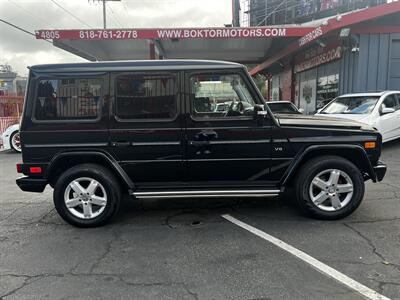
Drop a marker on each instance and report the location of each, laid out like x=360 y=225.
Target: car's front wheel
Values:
x=329 y=187
x=87 y=195
x=15 y=141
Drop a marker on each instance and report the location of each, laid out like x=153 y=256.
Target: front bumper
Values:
x=28 y=184
x=380 y=171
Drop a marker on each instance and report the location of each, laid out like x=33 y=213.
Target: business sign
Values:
x=311 y=36
x=321 y=58
x=173 y=33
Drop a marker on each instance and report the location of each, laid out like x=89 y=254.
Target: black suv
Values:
x=189 y=128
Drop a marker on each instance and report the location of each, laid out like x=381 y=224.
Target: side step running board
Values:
x=204 y=194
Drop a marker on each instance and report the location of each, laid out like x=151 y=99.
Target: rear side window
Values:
x=144 y=97
x=68 y=99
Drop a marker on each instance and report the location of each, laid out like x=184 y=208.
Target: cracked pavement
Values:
x=183 y=249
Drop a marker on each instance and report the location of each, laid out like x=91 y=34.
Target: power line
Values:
x=68 y=12
x=21 y=29
x=114 y=15
x=30 y=33
x=41 y=20
x=126 y=12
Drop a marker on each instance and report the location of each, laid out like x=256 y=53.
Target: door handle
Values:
x=121 y=144
x=211 y=135
x=199 y=143
x=206 y=135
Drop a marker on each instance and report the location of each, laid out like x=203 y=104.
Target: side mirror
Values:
x=259 y=113
x=301 y=110
x=387 y=110
x=319 y=110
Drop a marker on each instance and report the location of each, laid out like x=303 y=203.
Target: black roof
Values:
x=132 y=65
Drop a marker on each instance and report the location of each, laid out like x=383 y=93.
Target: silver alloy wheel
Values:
x=16 y=141
x=85 y=198
x=331 y=190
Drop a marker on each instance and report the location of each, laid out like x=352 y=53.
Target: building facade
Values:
x=313 y=77
x=10 y=82
x=354 y=52
x=279 y=12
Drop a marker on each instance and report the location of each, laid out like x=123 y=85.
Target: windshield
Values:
x=282 y=108
x=351 y=105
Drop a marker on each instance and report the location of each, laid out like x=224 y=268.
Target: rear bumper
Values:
x=28 y=184
x=380 y=171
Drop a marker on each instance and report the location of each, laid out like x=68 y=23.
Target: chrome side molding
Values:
x=207 y=193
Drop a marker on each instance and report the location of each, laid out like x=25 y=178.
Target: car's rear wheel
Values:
x=15 y=141
x=87 y=195
x=329 y=187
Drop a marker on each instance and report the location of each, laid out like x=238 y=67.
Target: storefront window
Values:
x=308 y=83
x=276 y=88
x=328 y=83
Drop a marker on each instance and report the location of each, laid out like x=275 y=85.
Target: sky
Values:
x=20 y=50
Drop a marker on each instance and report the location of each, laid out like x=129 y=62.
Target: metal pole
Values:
x=104 y=14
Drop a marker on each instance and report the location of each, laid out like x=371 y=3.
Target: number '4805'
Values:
x=50 y=34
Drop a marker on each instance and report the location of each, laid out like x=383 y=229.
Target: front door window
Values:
x=220 y=96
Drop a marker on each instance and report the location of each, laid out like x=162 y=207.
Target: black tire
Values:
x=100 y=174
x=11 y=144
x=311 y=169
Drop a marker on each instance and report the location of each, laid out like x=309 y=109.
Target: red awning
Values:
x=239 y=44
x=173 y=33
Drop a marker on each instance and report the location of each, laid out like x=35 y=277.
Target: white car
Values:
x=380 y=110
x=11 y=138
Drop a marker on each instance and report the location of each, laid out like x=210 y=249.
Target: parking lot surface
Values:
x=184 y=249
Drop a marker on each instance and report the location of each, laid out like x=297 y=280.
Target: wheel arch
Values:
x=66 y=160
x=354 y=153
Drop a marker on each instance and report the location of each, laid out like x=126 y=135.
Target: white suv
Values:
x=381 y=110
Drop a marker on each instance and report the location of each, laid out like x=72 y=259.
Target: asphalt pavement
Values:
x=184 y=249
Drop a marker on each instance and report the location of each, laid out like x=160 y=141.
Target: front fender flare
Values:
x=293 y=167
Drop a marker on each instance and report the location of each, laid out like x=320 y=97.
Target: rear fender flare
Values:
x=112 y=163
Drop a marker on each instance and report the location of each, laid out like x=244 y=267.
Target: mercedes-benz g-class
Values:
x=182 y=128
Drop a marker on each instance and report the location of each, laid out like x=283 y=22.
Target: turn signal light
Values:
x=35 y=170
x=370 y=145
